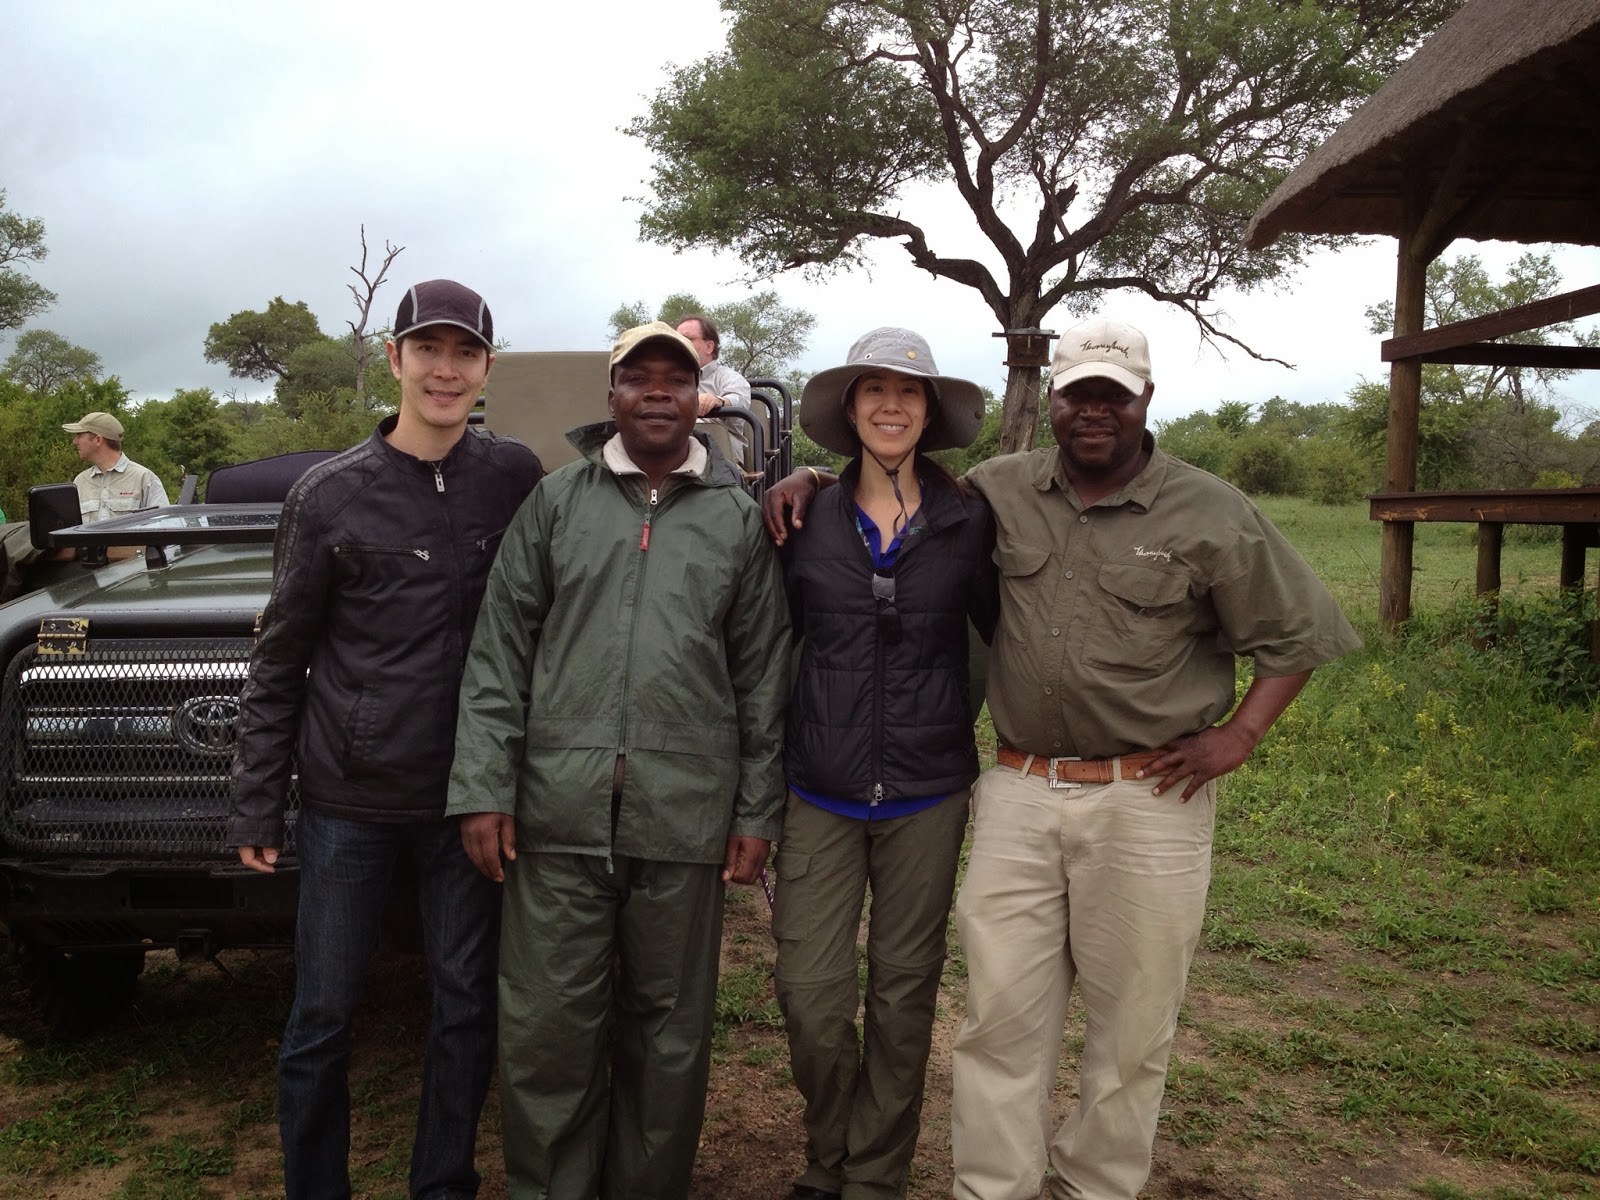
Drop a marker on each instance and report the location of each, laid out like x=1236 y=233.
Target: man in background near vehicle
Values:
x=112 y=485
x=617 y=763
x=378 y=572
x=720 y=385
x=1129 y=581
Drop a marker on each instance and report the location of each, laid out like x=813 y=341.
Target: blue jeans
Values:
x=344 y=874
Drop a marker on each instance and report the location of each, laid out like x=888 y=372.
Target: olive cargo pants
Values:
x=863 y=1092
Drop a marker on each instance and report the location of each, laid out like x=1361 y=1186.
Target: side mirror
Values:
x=52 y=506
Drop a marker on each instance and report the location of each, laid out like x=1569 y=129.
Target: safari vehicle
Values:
x=120 y=702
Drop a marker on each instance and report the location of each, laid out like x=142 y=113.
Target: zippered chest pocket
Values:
x=380 y=572
x=353 y=551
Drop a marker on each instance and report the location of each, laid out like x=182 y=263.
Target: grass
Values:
x=1397 y=993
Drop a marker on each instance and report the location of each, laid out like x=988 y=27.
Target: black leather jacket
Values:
x=867 y=713
x=378 y=572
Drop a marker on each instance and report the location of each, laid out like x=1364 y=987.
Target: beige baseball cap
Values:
x=1105 y=348
x=102 y=423
x=633 y=339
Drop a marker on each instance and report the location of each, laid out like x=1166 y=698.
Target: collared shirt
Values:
x=618 y=462
x=125 y=488
x=1120 y=621
x=725 y=383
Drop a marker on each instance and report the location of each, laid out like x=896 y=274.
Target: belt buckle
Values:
x=1062 y=784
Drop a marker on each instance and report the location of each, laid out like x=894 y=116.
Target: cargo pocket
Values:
x=1142 y=623
x=791 y=911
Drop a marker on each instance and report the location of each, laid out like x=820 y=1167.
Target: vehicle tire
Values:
x=76 y=991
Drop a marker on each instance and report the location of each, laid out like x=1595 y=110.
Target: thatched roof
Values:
x=1511 y=89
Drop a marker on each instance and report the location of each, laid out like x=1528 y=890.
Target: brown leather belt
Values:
x=1065 y=772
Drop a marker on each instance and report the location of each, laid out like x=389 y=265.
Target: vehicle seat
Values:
x=263 y=481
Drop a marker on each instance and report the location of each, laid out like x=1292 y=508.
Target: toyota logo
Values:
x=208 y=724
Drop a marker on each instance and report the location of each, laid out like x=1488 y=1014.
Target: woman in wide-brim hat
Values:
x=880 y=757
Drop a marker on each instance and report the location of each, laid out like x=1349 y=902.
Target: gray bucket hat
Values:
x=955 y=406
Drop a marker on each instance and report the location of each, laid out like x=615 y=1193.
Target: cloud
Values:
x=194 y=159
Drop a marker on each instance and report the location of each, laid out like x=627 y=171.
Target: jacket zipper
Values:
x=438 y=477
x=633 y=625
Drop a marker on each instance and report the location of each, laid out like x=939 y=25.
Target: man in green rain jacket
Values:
x=618 y=761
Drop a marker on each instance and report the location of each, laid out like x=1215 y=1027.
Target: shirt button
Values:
x=1055 y=745
x=1054 y=632
x=1047 y=692
x=1069 y=574
x=1082 y=519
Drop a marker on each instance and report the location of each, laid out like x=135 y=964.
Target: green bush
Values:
x=1265 y=464
x=1335 y=472
x=1549 y=636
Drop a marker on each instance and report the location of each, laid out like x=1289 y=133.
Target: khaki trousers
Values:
x=863 y=1091
x=1103 y=885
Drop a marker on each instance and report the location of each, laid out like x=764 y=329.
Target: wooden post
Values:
x=1491 y=537
x=1405 y=401
x=1573 y=540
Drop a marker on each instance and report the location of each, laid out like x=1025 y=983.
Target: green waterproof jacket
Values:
x=614 y=627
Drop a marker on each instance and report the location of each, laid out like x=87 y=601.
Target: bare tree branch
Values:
x=363 y=296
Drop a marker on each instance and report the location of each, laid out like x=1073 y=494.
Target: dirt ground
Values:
x=222 y=1094
x=751 y=1148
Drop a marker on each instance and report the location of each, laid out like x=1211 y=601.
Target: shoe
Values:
x=806 y=1192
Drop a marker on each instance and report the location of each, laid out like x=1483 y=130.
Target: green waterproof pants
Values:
x=863 y=1087
x=608 y=989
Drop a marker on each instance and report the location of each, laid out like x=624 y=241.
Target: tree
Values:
x=360 y=342
x=186 y=435
x=36 y=450
x=324 y=367
x=761 y=335
x=1097 y=145
x=21 y=241
x=258 y=345
x=41 y=360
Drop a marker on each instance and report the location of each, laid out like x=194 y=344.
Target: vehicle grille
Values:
x=123 y=750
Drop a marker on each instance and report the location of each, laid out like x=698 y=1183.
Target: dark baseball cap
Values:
x=444 y=302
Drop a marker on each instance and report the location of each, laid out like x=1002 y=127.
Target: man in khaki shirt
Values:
x=1129 y=582
x=112 y=485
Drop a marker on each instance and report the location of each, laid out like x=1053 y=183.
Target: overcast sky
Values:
x=194 y=159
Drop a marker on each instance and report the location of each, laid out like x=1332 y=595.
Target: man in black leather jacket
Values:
x=379 y=568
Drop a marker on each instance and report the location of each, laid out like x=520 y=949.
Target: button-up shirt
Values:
x=1120 y=621
x=125 y=488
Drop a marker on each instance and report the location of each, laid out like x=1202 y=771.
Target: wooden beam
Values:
x=1512 y=354
x=1568 y=306
x=1526 y=506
